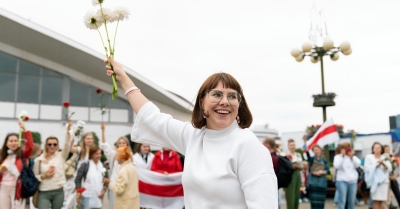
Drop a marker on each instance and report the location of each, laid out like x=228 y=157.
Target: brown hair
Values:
x=377 y=143
x=386 y=146
x=346 y=145
x=270 y=141
x=123 y=153
x=3 y=153
x=82 y=145
x=93 y=149
x=338 y=149
x=45 y=145
x=228 y=81
x=290 y=141
x=316 y=146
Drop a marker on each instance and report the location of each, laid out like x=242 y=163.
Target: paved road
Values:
x=328 y=205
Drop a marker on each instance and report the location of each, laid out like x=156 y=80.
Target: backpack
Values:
x=70 y=165
x=285 y=172
x=28 y=179
x=361 y=174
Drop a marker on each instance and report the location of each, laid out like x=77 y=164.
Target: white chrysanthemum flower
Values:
x=97 y=2
x=23 y=113
x=80 y=123
x=92 y=20
x=122 y=13
x=108 y=15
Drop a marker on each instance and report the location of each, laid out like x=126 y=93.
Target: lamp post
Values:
x=320 y=47
x=317 y=54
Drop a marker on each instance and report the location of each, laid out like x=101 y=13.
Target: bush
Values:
x=36 y=138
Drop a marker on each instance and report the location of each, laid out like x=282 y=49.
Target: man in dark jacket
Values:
x=270 y=144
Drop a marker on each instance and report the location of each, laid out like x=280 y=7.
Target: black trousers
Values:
x=394 y=185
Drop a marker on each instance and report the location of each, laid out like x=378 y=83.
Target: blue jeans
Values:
x=346 y=192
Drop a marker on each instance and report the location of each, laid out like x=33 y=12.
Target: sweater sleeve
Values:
x=29 y=144
x=338 y=161
x=67 y=146
x=120 y=185
x=256 y=175
x=153 y=127
x=108 y=151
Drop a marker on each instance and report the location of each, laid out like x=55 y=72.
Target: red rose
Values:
x=98 y=91
x=66 y=104
x=26 y=118
x=80 y=190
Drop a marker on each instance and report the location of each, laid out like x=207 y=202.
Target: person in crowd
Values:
x=394 y=185
x=304 y=183
x=90 y=176
x=346 y=163
x=11 y=166
x=292 y=192
x=112 y=161
x=126 y=187
x=166 y=161
x=87 y=141
x=317 y=183
x=49 y=170
x=143 y=157
x=270 y=144
x=37 y=151
x=217 y=136
x=377 y=161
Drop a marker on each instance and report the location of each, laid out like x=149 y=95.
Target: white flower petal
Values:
x=107 y=15
x=97 y=2
x=122 y=13
x=92 y=20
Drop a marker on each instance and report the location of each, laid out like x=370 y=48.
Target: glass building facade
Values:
x=27 y=86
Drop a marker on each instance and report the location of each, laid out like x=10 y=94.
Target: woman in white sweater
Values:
x=143 y=157
x=346 y=163
x=379 y=161
x=226 y=166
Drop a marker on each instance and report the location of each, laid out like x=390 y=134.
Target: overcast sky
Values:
x=177 y=44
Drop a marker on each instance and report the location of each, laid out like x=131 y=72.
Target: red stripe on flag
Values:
x=161 y=190
x=326 y=131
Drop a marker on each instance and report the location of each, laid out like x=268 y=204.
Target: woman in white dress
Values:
x=226 y=166
x=379 y=160
x=143 y=157
x=114 y=165
x=82 y=155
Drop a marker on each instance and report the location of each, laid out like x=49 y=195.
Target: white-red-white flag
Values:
x=326 y=134
x=160 y=191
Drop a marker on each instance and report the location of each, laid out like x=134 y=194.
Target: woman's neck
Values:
x=377 y=155
x=48 y=155
x=292 y=152
x=95 y=161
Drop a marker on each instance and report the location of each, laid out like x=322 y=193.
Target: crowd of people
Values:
x=373 y=177
x=226 y=166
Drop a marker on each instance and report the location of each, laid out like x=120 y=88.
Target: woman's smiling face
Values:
x=220 y=114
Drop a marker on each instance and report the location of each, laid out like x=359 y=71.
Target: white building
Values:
x=40 y=69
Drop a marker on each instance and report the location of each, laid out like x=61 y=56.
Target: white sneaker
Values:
x=306 y=200
x=300 y=200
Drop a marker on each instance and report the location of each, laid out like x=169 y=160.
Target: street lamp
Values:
x=316 y=54
x=320 y=47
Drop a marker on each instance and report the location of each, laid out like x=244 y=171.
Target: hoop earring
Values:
x=238 y=119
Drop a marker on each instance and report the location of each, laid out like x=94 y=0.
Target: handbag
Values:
x=36 y=195
x=70 y=166
x=30 y=183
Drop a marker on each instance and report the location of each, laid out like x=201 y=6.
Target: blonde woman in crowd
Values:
x=143 y=156
x=11 y=166
x=49 y=170
x=81 y=155
x=292 y=192
x=126 y=186
x=110 y=154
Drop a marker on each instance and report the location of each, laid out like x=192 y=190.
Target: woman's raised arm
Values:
x=136 y=98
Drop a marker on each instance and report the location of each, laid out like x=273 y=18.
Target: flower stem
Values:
x=101 y=38
x=20 y=138
x=115 y=35
x=114 y=79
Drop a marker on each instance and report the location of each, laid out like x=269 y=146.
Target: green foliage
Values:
x=36 y=138
x=96 y=139
x=132 y=144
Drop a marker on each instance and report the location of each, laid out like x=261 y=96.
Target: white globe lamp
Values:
x=328 y=43
x=295 y=52
x=307 y=46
